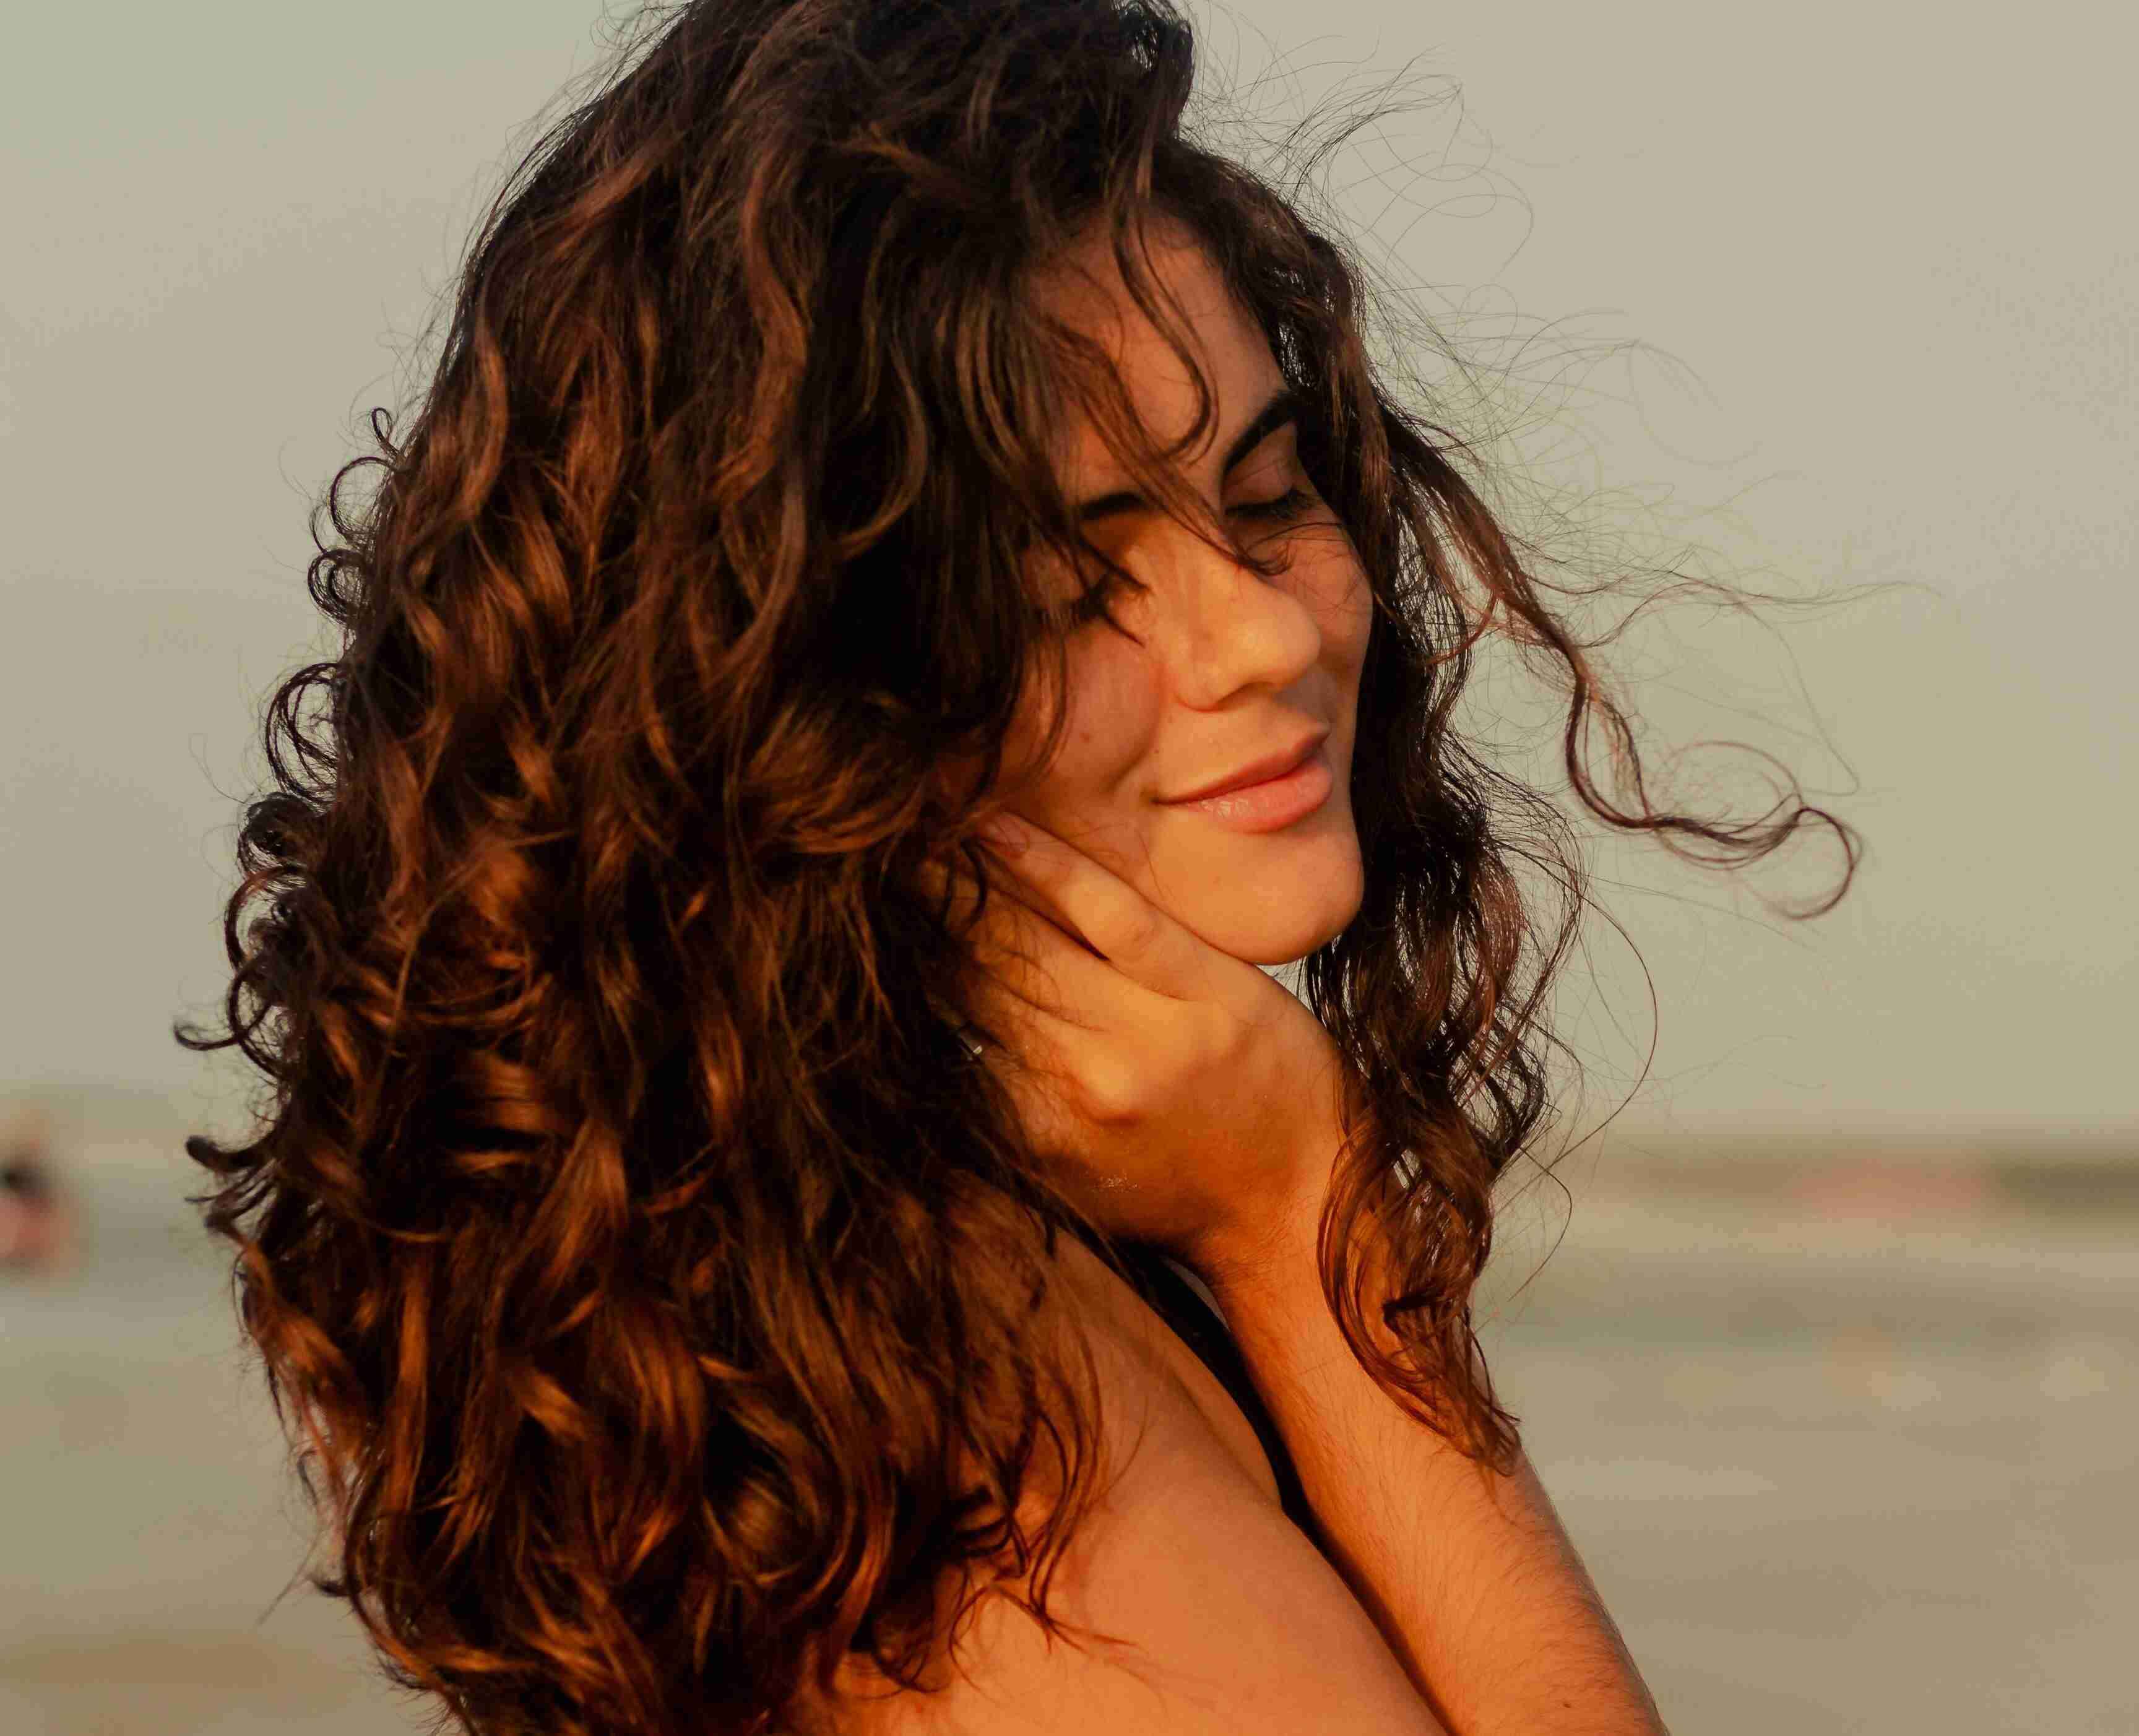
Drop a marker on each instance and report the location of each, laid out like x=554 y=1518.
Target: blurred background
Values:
x=1824 y=1335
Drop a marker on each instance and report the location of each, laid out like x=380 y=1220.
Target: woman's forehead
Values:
x=1091 y=295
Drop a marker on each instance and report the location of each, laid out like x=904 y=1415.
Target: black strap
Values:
x=1197 y=1326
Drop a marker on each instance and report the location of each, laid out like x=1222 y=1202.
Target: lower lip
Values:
x=1273 y=804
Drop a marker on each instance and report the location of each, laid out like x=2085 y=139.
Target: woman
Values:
x=720 y=1223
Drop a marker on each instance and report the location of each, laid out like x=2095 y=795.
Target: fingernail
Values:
x=1006 y=833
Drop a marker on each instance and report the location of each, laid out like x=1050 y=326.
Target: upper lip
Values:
x=1258 y=771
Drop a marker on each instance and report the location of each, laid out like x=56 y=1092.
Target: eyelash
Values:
x=1092 y=606
x=1290 y=504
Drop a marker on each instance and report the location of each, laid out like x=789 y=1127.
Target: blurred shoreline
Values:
x=1846 y=1429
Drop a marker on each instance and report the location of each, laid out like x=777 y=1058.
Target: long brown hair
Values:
x=644 y=1266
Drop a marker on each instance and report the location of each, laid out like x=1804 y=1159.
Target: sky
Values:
x=1842 y=302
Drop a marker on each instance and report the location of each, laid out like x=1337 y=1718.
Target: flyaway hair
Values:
x=644 y=1268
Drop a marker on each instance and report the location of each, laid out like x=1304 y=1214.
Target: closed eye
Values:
x=1092 y=605
x=1290 y=504
x=1281 y=509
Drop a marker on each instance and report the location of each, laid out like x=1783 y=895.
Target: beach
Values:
x=1839 y=1460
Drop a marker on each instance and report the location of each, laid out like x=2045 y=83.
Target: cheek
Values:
x=1097 y=719
x=1112 y=712
x=1115 y=698
x=1343 y=605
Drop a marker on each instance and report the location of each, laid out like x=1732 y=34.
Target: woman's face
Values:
x=1232 y=668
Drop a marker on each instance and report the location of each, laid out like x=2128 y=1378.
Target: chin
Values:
x=1285 y=949
x=1284 y=929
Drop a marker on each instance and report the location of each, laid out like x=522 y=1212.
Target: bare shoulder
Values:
x=1230 y=1619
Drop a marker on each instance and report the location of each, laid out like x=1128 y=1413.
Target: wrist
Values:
x=1258 y=1252
x=1275 y=1235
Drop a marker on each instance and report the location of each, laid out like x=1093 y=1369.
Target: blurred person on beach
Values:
x=786 y=1189
x=37 y=1218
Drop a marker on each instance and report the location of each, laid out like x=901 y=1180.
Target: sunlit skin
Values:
x=1448 y=1596
x=1231 y=666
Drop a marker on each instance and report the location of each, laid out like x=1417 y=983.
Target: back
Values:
x=1237 y=1625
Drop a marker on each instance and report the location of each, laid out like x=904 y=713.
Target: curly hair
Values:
x=645 y=1267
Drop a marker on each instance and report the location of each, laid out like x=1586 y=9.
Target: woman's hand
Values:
x=1194 y=1102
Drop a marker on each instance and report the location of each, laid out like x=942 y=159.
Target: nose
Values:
x=1225 y=628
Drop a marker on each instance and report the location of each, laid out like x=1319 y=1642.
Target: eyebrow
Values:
x=1283 y=406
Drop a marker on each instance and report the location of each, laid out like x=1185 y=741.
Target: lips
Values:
x=1255 y=771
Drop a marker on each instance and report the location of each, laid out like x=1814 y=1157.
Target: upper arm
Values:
x=1234 y=1623
x=1236 y=1626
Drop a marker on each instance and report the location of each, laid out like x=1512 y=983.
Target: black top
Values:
x=1196 y=1324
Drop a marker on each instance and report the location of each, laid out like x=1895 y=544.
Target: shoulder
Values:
x=1222 y=1616
x=1160 y=1360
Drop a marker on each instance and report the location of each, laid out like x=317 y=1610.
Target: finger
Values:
x=1027 y=951
x=1019 y=948
x=1004 y=888
x=1054 y=1013
x=1080 y=895
x=1064 y=1075
x=1004 y=879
